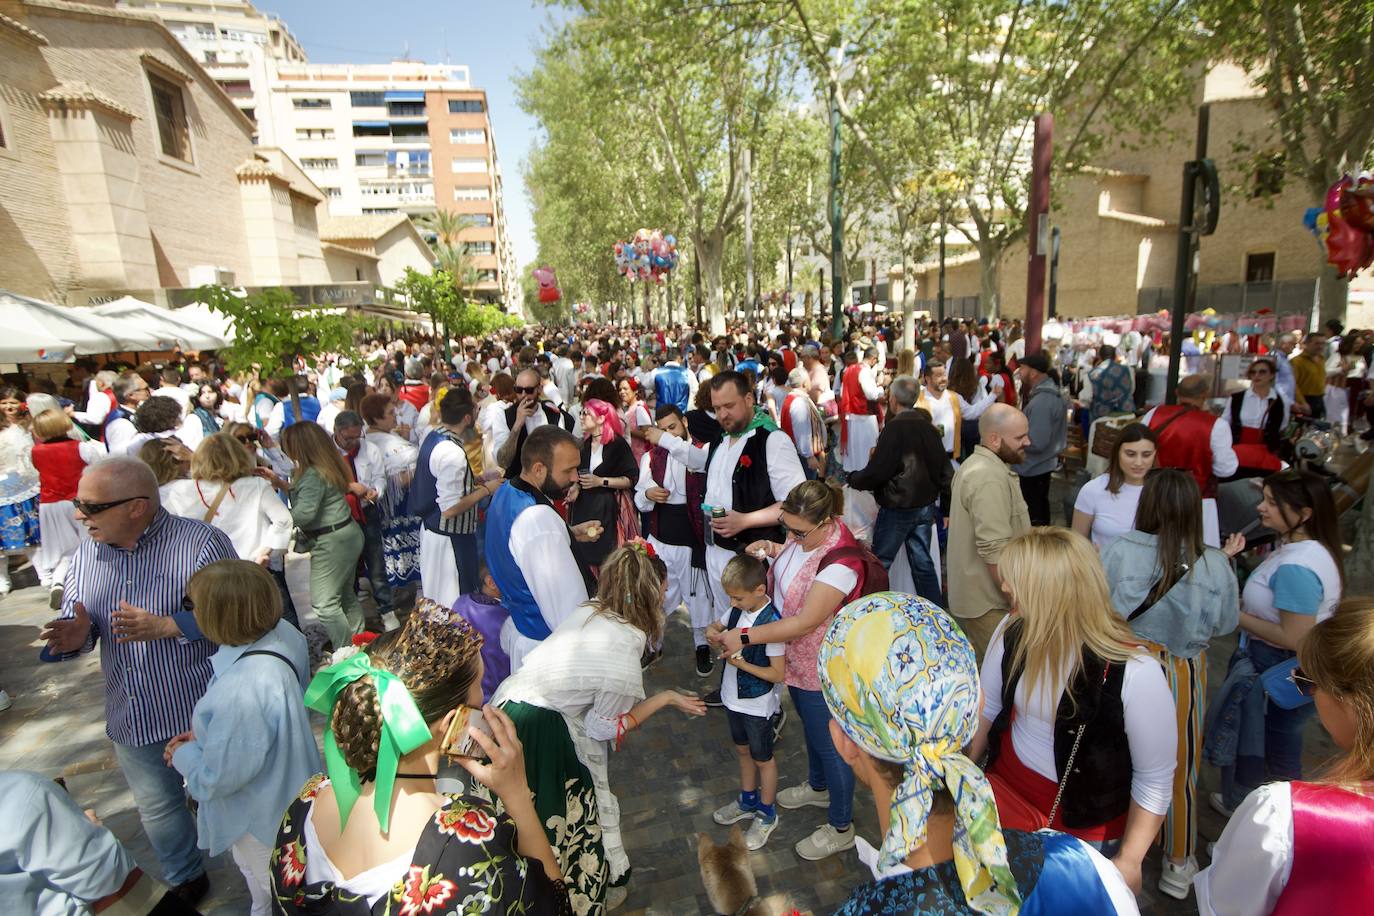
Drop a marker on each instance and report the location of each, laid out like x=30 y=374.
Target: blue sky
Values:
x=495 y=38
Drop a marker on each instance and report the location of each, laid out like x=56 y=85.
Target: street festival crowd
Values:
x=864 y=528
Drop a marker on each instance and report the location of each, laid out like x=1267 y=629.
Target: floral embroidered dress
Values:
x=465 y=862
x=18 y=491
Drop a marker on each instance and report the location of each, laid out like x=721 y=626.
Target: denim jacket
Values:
x=254 y=747
x=1205 y=603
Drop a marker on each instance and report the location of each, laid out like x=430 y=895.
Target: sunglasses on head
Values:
x=92 y=509
x=1306 y=686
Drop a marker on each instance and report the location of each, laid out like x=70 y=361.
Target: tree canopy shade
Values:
x=272 y=332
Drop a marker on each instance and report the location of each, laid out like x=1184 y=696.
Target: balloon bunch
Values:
x=650 y=254
x=548 y=284
x=1344 y=225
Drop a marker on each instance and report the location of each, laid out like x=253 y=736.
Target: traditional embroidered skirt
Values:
x=19 y=525
x=401 y=547
x=565 y=800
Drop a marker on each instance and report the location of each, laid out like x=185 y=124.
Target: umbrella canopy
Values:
x=162 y=322
x=21 y=346
x=201 y=316
x=86 y=331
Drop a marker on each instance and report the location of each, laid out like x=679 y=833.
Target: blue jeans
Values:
x=1283 y=728
x=161 y=800
x=911 y=527
x=826 y=769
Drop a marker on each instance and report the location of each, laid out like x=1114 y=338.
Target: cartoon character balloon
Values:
x=548 y=284
x=649 y=254
x=1345 y=224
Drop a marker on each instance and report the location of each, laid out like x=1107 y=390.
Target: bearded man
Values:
x=987 y=510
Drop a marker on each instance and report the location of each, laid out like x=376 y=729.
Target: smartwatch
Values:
x=744 y=636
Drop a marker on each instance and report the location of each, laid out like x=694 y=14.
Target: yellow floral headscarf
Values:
x=901 y=680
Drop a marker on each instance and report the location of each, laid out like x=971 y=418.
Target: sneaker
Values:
x=731 y=814
x=824 y=842
x=1219 y=804
x=704 y=663
x=55 y=597
x=713 y=699
x=759 y=832
x=779 y=720
x=193 y=891
x=1177 y=880
x=5 y=701
x=649 y=657
x=803 y=795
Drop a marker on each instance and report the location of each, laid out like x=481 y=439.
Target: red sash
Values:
x=852 y=400
x=1333 y=853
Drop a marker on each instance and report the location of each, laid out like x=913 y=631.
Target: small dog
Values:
x=728 y=876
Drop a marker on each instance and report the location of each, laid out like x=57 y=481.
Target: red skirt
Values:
x=1040 y=792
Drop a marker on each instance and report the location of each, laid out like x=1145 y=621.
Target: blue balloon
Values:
x=670 y=240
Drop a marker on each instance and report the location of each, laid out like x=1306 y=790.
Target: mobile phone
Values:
x=457 y=742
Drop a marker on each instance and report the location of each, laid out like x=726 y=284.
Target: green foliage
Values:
x=272 y=330
x=439 y=297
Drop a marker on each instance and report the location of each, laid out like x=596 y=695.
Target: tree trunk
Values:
x=710 y=249
x=989 y=280
x=293 y=383
x=1334 y=293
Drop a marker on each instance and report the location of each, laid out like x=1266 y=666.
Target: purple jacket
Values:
x=486 y=616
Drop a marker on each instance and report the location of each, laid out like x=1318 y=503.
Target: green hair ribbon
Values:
x=403 y=730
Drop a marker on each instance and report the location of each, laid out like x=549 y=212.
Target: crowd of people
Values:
x=463 y=555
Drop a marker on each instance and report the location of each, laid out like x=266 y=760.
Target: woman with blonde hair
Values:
x=1078 y=721
x=1302 y=847
x=170 y=460
x=576 y=697
x=376 y=836
x=250 y=746
x=326 y=528
x=59 y=461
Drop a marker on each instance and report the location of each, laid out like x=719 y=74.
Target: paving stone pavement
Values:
x=670 y=776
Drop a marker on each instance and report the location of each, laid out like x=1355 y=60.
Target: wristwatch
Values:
x=744 y=636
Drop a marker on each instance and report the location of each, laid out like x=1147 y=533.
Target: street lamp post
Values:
x=836 y=223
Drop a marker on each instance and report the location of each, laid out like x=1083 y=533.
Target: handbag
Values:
x=1014 y=812
x=1279 y=687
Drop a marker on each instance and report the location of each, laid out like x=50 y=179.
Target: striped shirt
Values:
x=151 y=687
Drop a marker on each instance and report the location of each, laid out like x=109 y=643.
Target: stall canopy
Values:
x=20 y=346
x=165 y=323
x=201 y=316
x=83 y=330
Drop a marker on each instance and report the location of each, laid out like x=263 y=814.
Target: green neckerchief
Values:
x=761 y=420
x=403 y=730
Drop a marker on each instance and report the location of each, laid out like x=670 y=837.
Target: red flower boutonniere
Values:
x=362 y=639
x=745 y=461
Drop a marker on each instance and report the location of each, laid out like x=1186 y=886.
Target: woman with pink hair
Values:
x=606 y=475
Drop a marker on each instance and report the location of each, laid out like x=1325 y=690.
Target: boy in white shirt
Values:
x=748 y=691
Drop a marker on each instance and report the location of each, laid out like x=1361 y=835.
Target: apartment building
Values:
x=232 y=40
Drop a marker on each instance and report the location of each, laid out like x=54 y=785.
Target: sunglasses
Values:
x=520 y=389
x=247 y=439
x=1306 y=686
x=92 y=509
x=187 y=604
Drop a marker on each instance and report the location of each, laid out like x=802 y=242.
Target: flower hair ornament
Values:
x=642 y=546
x=434 y=639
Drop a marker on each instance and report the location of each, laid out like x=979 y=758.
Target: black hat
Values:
x=1037 y=361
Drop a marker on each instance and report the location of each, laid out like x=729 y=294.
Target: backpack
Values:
x=872 y=579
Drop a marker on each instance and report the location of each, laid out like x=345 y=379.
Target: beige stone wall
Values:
x=401 y=248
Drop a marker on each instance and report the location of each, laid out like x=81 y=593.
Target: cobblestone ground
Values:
x=669 y=777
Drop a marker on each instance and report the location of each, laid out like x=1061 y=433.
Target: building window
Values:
x=1269 y=176
x=320 y=163
x=467 y=135
x=406 y=109
x=332 y=192
x=250 y=113
x=464 y=106
x=471 y=194
x=311 y=103
x=314 y=133
x=480 y=247
x=371 y=130
x=379 y=211
x=480 y=219
x=366 y=99
x=461 y=165
x=409 y=132
x=370 y=159
x=1259 y=268
x=172 y=130
x=486 y=276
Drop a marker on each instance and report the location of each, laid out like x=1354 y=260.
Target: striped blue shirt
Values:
x=151 y=687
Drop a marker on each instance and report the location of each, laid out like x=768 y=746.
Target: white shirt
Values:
x=674 y=481
x=1257 y=597
x=176 y=394
x=1254 y=857
x=869 y=384
x=1151 y=732
x=800 y=412
x=251 y=513
x=97 y=406
x=790 y=562
x=449 y=465
x=981 y=402
x=329 y=411
x=784 y=467
x=763 y=706
x=542 y=548
x=1224 y=460
x=1253 y=408
x=492 y=416
x=500 y=432
x=370 y=465
x=1113 y=513
x=118 y=434
x=942 y=413
x=408 y=416
x=398 y=454
x=552 y=393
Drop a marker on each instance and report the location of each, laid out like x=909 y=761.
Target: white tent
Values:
x=84 y=330
x=162 y=322
x=20 y=346
x=201 y=316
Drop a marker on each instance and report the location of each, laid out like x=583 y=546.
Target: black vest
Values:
x=751 y=490
x=1272 y=426
x=554 y=416
x=1099 y=788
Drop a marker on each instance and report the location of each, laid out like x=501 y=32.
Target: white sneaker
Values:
x=825 y=842
x=803 y=795
x=731 y=814
x=5 y=701
x=1177 y=880
x=1219 y=804
x=759 y=832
